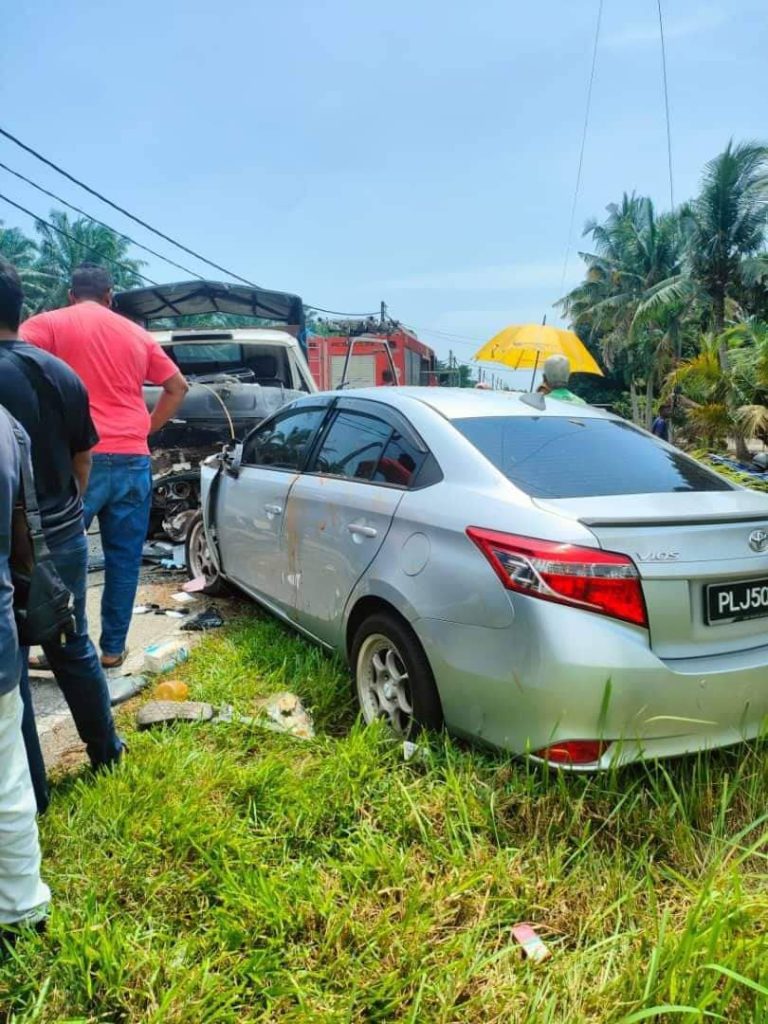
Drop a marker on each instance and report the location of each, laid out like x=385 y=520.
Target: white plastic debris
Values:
x=162 y=656
x=410 y=750
x=183 y=597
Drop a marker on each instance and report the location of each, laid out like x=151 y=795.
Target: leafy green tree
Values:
x=78 y=241
x=21 y=251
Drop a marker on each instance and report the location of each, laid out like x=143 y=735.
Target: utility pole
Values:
x=383 y=313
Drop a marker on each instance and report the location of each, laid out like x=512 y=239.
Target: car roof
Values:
x=461 y=403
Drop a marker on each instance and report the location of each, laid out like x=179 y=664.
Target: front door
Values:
x=251 y=506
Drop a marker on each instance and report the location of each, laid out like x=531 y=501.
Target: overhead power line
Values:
x=580 y=166
x=138 y=220
x=77 y=241
x=666 y=105
x=121 y=209
x=89 y=216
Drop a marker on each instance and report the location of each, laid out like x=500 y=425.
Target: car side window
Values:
x=352 y=446
x=283 y=442
x=400 y=462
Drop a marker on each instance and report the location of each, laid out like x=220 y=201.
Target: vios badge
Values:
x=758 y=540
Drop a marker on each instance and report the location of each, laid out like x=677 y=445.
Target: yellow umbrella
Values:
x=526 y=346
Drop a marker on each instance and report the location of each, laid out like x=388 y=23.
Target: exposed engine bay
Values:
x=238 y=375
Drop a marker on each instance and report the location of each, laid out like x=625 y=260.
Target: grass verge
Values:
x=224 y=874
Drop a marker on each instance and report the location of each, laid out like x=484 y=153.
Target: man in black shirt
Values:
x=51 y=403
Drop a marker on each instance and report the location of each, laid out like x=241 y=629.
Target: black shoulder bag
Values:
x=42 y=604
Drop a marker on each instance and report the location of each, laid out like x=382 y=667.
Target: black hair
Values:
x=11 y=296
x=90 y=281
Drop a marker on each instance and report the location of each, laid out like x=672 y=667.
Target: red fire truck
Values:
x=367 y=361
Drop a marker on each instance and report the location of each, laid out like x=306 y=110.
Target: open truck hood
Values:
x=165 y=301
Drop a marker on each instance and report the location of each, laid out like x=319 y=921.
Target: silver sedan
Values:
x=531 y=574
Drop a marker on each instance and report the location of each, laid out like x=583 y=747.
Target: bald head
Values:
x=557 y=371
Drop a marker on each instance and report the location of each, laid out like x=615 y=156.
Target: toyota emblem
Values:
x=758 y=540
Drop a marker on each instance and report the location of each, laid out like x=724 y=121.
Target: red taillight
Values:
x=573 y=752
x=589 y=578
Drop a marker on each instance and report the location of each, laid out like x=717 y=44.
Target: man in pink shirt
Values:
x=113 y=357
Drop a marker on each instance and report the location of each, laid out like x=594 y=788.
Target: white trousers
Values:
x=23 y=895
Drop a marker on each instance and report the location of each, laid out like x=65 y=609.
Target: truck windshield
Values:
x=263 y=364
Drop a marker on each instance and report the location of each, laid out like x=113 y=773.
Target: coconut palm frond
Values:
x=752 y=420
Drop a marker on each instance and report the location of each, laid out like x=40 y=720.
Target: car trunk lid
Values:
x=683 y=544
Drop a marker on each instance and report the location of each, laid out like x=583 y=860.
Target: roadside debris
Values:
x=161 y=712
x=145 y=609
x=171 y=689
x=164 y=554
x=195 y=585
x=183 y=597
x=122 y=688
x=164 y=655
x=208 y=619
x=534 y=947
x=283 y=712
x=156 y=550
x=411 y=750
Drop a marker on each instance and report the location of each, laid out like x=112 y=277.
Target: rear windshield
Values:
x=569 y=457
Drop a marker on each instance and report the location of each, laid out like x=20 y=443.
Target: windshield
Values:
x=573 y=457
x=263 y=364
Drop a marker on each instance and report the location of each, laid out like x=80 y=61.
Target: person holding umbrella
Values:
x=556 y=375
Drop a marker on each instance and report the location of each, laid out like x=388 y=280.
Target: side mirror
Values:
x=233 y=459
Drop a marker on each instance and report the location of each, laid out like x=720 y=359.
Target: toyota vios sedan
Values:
x=534 y=575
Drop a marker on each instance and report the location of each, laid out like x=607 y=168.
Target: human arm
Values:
x=81 y=469
x=171 y=397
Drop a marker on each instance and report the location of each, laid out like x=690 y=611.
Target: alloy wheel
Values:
x=383 y=684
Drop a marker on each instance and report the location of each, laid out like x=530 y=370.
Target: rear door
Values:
x=251 y=506
x=340 y=510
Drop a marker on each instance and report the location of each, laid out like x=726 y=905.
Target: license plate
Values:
x=736 y=602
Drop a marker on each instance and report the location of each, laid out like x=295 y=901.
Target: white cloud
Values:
x=509 y=277
x=705 y=20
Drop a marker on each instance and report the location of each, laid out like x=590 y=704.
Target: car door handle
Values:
x=273 y=510
x=362 y=531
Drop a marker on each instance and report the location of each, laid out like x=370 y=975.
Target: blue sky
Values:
x=419 y=152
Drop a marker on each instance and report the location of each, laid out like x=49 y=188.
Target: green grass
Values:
x=224 y=874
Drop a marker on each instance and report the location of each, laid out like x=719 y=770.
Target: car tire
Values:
x=198 y=558
x=392 y=677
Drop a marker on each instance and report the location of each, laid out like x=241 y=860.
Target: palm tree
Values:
x=68 y=243
x=728 y=222
x=21 y=251
x=727 y=402
x=724 y=230
x=635 y=251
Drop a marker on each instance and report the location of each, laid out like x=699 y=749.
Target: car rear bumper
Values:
x=560 y=674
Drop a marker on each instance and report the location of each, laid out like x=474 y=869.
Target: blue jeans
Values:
x=120 y=494
x=79 y=674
